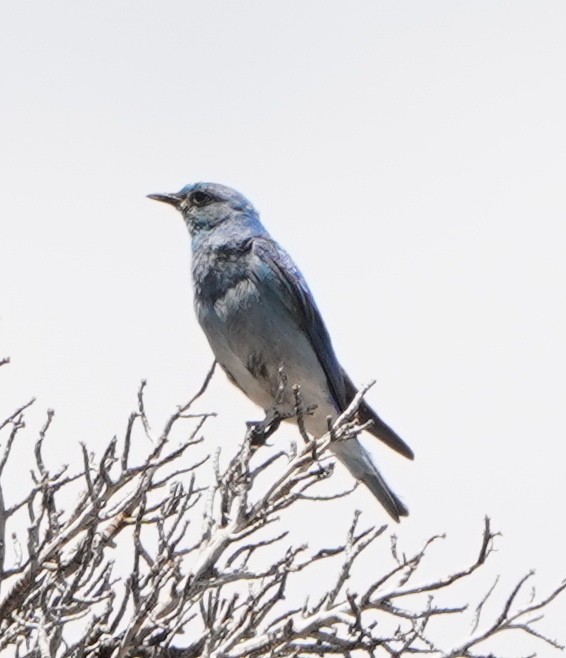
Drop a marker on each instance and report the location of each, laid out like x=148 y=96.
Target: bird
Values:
x=261 y=320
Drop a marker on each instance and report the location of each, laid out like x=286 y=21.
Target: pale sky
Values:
x=410 y=156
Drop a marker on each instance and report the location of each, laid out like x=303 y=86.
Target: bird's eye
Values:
x=199 y=198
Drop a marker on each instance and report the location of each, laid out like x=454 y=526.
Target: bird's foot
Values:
x=259 y=431
x=323 y=471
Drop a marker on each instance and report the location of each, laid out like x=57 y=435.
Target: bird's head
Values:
x=205 y=206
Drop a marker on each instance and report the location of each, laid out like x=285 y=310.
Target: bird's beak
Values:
x=172 y=199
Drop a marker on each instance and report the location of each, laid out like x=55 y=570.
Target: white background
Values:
x=411 y=158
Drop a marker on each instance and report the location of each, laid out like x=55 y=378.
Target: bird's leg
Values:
x=259 y=431
x=300 y=413
x=282 y=387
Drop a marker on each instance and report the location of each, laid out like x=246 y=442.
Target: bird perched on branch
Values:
x=261 y=320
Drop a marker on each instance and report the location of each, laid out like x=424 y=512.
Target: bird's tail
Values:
x=353 y=455
x=378 y=428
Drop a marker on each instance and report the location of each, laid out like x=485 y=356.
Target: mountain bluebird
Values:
x=261 y=321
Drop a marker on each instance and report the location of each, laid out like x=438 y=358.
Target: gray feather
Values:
x=260 y=319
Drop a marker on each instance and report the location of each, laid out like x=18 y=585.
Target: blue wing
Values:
x=283 y=276
x=288 y=284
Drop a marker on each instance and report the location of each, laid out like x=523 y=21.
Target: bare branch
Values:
x=220 y=588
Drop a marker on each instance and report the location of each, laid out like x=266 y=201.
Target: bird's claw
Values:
x=259 y=431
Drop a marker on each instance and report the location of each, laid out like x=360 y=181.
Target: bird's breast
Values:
x=226 y=303
x=218 y=273
x=255 y=337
